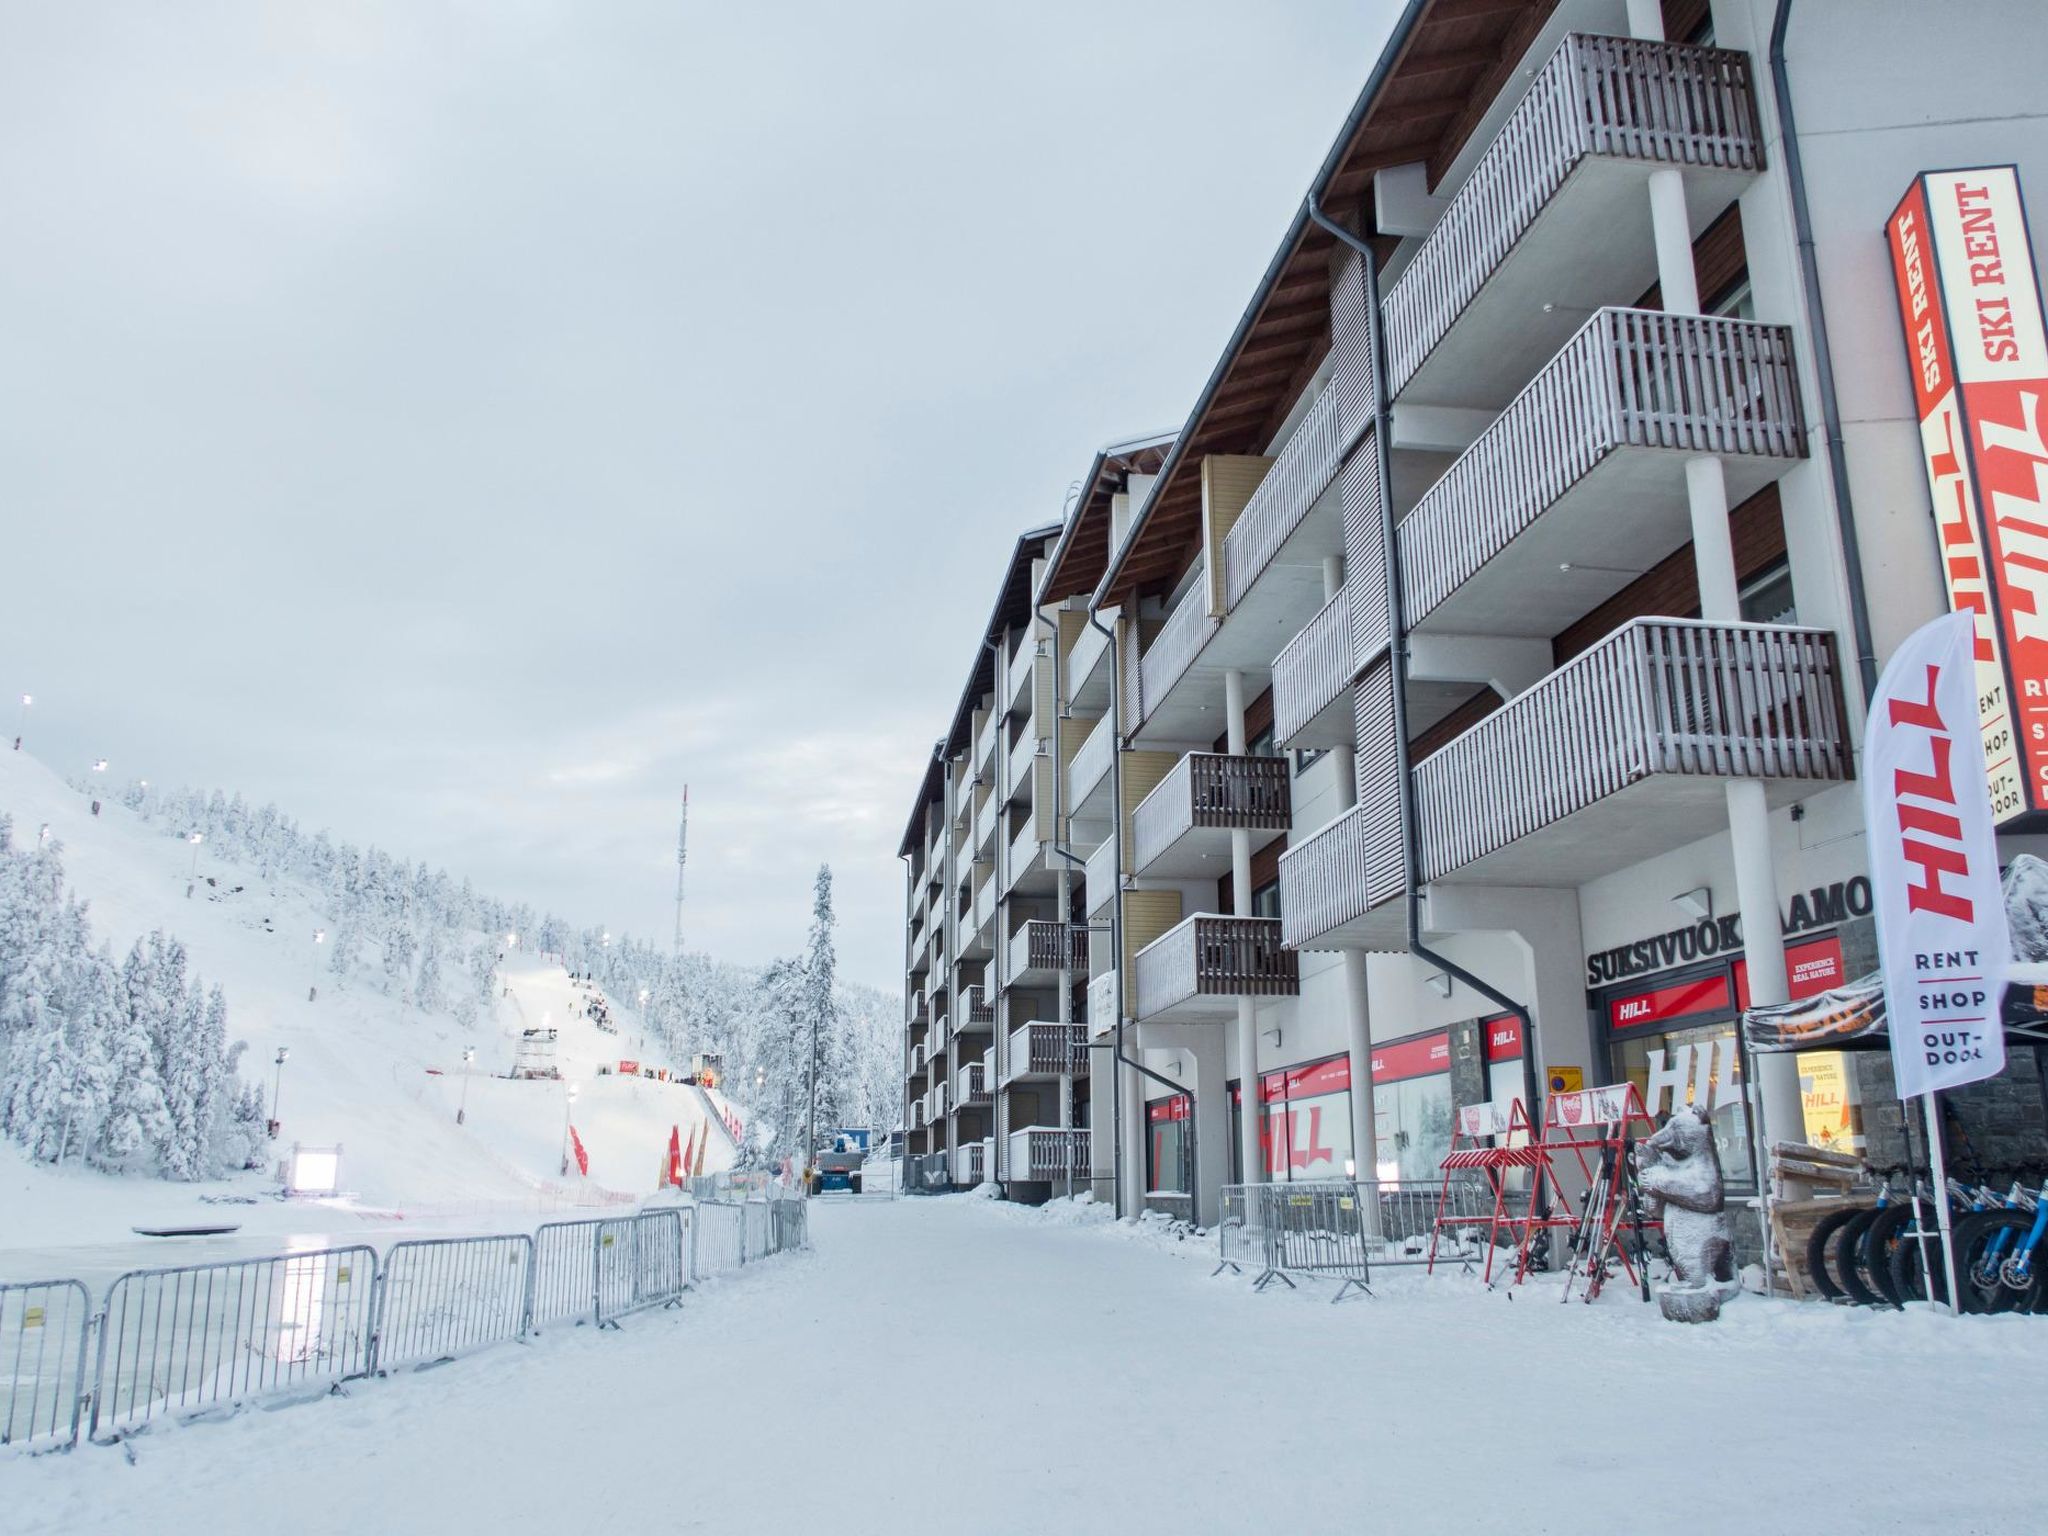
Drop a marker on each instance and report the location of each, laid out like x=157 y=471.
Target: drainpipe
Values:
x=1823 y=355
x=1397 y=630
x=1122 y=1058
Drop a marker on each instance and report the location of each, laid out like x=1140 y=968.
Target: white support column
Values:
x=1250 y=1157
x=1763 y=947
x=1131 y=1198
x=1358 y=1044
x=1713 y=545
x=1646 y=20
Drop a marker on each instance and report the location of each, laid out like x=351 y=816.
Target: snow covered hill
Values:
x=365 y=1069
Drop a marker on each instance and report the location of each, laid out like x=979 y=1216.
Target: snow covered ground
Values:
x=955 y=1364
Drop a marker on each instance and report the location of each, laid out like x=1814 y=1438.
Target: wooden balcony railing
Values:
x=1211 y=789
x=976 y=1006
x=1210 y=956
x=1629 y=378
x=1049 y=946
x=1046 y=1050
x=1313 y=668
x=1174 y=648
x=1659 y=696
x=1039 y=1153
x=1667 y=103
x=1307 y=464
x=971 y=1085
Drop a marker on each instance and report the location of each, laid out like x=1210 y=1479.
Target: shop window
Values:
x=1713 y=1055
x=1167 y=1146
x=1305 y=1128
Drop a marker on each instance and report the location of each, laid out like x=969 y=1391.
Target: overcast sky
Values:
x=465 y=424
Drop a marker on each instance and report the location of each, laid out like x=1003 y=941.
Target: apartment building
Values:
x=1487 y=650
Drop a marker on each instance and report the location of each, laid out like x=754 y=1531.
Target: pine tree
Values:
x=819 y=1012
x=426 y=991
x=137 y=1123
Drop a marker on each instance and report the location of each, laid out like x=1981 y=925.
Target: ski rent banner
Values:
x=1941 y=930
x=1971 y=308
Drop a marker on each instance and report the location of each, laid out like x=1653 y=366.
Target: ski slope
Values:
x=365 y=1070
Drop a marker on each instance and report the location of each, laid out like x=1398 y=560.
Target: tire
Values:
x=1851 y=1246
x=1893 y=1227
x=1983 y=1287
x=1908 y=1283
x=1817 y=1251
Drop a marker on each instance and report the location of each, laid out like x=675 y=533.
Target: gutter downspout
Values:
x=1397 y=635
x=1121 y=1057
x=1823 y=355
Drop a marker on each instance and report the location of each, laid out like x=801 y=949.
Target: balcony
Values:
x=985 y=746
x=1017 y=680
x=1494 y=288
x=985 y=823
x=1181 y=831
x=1279 y=512
x=972 y=1162
x=1173 y=649
x=1621 y=753
x=1088 y=775
x=1090 y=669
x=1024 y=752
x=1039 y=1154
x=938 y=1101
x=1101 y=877
x=1198 y=970
x=1040 y=1052
x=1579 y=486
x=1312 y=680
x=984 y=908
x=975 y=1010
x=1337 y=888
x=1102 y=1005
x=1040 y=950
x=917 y=1114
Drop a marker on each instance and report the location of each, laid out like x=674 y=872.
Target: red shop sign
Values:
x=1676 y=1001
x=1332 y=1076
x=1424 y=1056
x=1503 y=1037
x=1175 y=1108
x=1810 y=969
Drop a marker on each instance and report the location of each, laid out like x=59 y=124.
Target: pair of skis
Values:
x=1596 y=1240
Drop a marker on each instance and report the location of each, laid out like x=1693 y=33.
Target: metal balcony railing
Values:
x=1299 y=476
x=1630 y=378
x=1174 y=648
x=985 y=743
x=1100 y=873
x=1089 y=765
x=1344 y=871
x=985 y=903
x=1314 y=668
x=1085 y=654
x=1020 y=667
x=1666 y=103
x=1210 y=789
x=1659 y=696
x=1024 y=850
x=1044 y=1155
x=1207 y=956
x=985 y=820
x=1023 y=753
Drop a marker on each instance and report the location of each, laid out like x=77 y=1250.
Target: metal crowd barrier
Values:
x=1336 y=1228
x=205 y=1335
x=564 y=1273
x=202 y=1336
x=641 y=1261
x=43 y=1328
x=443 y=1295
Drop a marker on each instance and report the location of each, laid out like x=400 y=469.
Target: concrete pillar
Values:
x=1713 y=546
x=1131 y=1198
x=1358 y=1045
x=1212 y=1126
x=1670 y=227
x=1763 y=946
x=1249 y=1156
x=1646 y=20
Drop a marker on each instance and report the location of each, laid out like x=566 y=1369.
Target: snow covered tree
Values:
x=426 y=990
x=826 y=1064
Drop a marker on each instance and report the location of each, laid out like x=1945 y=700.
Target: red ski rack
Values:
x=1590 y=1120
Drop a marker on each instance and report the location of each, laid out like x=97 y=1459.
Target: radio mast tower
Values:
x=682 y=859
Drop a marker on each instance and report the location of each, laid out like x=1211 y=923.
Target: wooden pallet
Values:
x=1792 y=1224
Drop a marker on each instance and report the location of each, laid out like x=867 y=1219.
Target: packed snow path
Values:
x=955 y=1365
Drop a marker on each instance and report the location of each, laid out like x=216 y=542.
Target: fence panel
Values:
x=717 y=1246
x=564 y=1272
x=440 y=1296
x=641 y=1262
x=204 y=1335
x=43 y=1324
